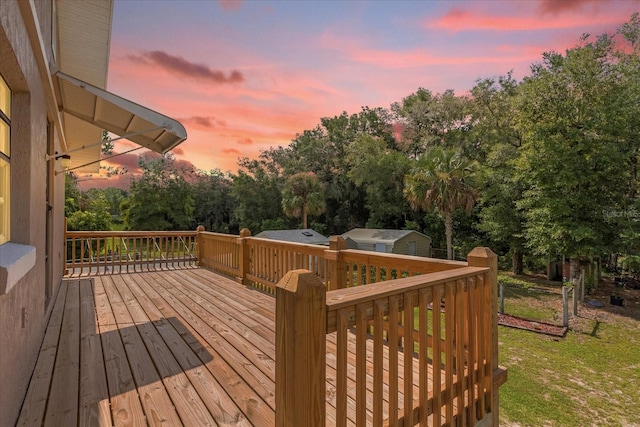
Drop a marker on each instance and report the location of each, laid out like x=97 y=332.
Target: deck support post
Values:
x=485 y=257
x=244 y=263
x=301 y=325
x=199 y=230
x=337 y=277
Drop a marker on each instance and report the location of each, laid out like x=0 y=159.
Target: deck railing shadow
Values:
x=98 y=357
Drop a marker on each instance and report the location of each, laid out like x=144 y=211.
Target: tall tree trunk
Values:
x=448 y=229
x=304 y=217
x=517 y=261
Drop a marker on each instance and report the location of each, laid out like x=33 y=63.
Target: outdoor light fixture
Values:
x=65 y=161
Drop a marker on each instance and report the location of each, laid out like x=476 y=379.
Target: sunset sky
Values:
x=247 y=75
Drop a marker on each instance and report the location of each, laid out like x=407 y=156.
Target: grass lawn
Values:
x=117 y=227
x=589 y=378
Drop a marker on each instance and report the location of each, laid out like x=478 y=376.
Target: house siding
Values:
x=24 y=308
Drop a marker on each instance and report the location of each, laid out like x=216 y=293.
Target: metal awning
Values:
x=118 y=115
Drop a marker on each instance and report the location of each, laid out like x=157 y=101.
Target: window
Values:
x=5 y=159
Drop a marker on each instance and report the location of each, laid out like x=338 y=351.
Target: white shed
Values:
x=404 y=242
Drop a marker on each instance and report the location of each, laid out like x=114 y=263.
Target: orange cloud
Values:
x=203 y=122
x=231 y=151
x=245 y=141
x=178 y=151
x=183 y=68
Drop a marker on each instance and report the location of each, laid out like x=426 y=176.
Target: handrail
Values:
x=364 y=296
x=108 y=252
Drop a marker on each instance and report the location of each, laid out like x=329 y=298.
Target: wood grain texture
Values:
x=191 y=347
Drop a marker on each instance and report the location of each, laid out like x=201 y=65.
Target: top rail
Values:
x=364 y=296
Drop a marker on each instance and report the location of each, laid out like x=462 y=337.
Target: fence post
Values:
x=300 y=350
x=336 y=265
x=565 y=306
x=244 y=262
x=501 y=298
x=576 y=295
x=485 y=257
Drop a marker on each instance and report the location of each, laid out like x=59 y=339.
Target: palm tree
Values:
x=303 y=195
x=440 y=181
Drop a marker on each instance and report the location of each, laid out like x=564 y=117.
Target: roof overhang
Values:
x=86 y=108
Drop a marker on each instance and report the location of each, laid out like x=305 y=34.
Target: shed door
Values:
x=381 y=247
x=412 y=249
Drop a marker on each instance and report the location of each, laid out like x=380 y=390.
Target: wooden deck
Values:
x=185 y=347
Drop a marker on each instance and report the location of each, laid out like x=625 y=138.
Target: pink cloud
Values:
x=119 y=181
x=245 y=141
x=458 y=20
x=230 y=5
x=178 y=151
x=555 y=6
x=128 y=161
x=183 y=68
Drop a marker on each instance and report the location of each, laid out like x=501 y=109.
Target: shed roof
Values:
x=307 y=236
x=374 y=235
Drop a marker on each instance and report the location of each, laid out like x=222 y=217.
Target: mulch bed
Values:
x=532 y=325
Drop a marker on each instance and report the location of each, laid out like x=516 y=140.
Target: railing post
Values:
x=199 y=244
x=301 y=325
x=337 y=277
x=485 y=257
x=65 y=261
x=244 y=263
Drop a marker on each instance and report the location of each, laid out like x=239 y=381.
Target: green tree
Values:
x=95 y=218
x=72 y=194
x=256 y=193
x=379 y=169
x=429 y=120
x=161 y=198
x=213 y=202
x=576 y=156
x=323 y=151
x=498 y=140
x=303 y=195
x=441 y=180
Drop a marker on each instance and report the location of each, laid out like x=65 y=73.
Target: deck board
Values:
x=62 y=408
x=183 y=347
x=93 y=402
x=38 y=392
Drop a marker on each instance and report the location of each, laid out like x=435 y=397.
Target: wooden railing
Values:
x=431 y=358
x=400 y=340
x=262 y=262
x=109 y=252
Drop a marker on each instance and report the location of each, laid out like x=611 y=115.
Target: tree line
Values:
x=537 y=168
